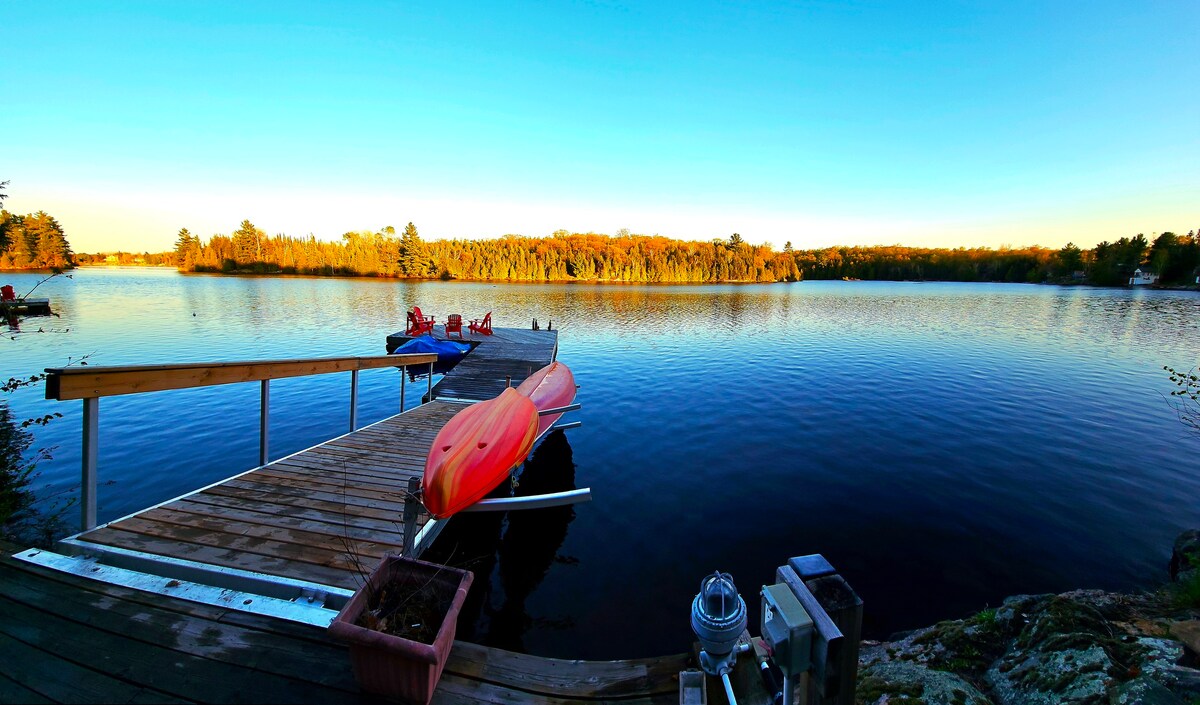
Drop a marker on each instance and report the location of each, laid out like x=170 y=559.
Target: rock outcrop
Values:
x=1086 y=647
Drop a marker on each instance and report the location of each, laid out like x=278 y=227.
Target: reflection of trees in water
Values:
x=511 y=553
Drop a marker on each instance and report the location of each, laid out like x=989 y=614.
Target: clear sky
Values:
x=922 y=123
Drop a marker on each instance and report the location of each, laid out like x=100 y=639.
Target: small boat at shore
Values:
x=481 y=445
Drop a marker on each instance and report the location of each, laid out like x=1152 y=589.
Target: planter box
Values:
x=394 y=666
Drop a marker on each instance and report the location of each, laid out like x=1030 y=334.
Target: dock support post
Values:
x=353 y=400
x=429 y=395
x=845 y=609
x=87 y=488
x=403 y=374
x=411 y=509
x=264 y=420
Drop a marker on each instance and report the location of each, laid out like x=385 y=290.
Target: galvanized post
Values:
x=403 y=374
x=353 y=400
x=87 y=489
x=411 y=509
x=429 y=395
x=264 y=414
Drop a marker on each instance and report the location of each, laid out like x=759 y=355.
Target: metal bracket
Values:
x=560 y=409
x=536 y=501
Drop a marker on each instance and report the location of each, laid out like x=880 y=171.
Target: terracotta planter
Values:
x=391 y=665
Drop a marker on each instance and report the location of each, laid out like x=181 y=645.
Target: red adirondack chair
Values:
x=417 y=323
x=483 y=326
x=7 y=293
x=454 y=325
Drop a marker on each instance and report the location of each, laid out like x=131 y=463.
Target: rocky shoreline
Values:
x=1080 y=647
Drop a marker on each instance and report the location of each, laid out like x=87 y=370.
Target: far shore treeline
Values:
x=37 y=241
x=625 y=257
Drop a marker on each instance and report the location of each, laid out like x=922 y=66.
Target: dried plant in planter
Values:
x=400 y=626
x=400 y=609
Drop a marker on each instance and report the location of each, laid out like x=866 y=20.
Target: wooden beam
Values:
x=63 y=383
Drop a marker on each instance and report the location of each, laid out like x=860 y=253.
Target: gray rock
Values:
x=1050 y=677
x=1145 y=691
x=896 y=682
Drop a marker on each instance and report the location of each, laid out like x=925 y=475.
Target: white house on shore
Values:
x=1143 y=275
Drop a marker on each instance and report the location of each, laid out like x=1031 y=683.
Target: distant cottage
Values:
x=1143 y=275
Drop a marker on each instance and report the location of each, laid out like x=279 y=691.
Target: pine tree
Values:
x=414 y=258
x=247 y=243
x=187 y=248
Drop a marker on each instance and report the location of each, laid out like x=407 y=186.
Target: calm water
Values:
x=944 y=445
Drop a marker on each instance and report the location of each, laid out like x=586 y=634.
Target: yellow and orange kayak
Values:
x=475 y=451
x=551 y=387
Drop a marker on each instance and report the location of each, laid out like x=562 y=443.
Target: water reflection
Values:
x=511 y=553
x=944 y=445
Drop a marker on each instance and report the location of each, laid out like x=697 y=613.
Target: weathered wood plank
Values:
x=56 y=679
x=13 y=692
x=167 y=671
x=217 y=525
x=236 y=556
x=266 y=494
x=579 y=679
x=214 y=503
x=339 y=557
x=197 y=637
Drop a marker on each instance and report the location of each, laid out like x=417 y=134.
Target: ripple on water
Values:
x=943 y=444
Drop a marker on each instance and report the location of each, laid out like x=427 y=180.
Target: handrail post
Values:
x=87 y=488
x=353 y=400
x=403 y=374
x=429 y=395
x=264 y=414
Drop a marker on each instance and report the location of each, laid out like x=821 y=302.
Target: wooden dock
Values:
x=29 y=307
x=508 y=355
x=68 y=639
x=315 y=519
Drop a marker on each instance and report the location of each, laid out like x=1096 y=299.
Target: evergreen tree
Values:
x=187 y=249
x=247 y=244
x=413 y=257
x=1070 y=259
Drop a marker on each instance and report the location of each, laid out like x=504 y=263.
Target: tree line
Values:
x=33 y=241
x=627 y=257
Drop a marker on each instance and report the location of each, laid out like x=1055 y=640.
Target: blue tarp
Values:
x=446 y=350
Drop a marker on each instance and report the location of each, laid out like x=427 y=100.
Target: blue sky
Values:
x=941 y=123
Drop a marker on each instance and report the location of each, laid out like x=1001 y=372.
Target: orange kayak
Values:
x=549 y=388
x=475 y=451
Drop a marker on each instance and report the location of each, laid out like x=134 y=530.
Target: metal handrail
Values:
x=91 y=383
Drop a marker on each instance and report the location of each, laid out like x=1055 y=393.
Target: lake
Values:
x=943 y=445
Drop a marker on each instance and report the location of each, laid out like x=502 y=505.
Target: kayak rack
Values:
x=536 y=501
